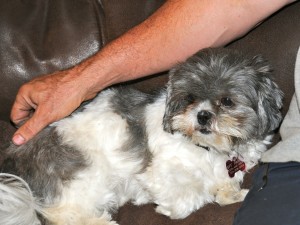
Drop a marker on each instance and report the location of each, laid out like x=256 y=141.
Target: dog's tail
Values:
x=17 y=204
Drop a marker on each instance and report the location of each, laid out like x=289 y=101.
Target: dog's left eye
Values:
x=190 y=98
x=226 y=101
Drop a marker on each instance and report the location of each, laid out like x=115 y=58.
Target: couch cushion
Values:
x=40 y=37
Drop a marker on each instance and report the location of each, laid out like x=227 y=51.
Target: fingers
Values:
x=33 y=118
x=31 y=127
x=32 y=109
x=31 y=96
x=22 y=109
x=46 y=99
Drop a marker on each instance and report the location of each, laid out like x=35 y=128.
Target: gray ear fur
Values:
x=176 y=102
x=269 y=99
x=171 y=105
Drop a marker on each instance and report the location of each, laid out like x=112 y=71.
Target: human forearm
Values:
x=177 y=30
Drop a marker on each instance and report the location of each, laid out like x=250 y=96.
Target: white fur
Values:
x=109 y=182
x=17 y=202
x=181 y=178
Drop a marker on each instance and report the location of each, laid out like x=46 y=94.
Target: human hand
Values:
x=46 y=99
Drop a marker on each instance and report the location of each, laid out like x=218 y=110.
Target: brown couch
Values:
x=39 y=37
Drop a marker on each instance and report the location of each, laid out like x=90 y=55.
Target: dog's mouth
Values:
x=204 y=131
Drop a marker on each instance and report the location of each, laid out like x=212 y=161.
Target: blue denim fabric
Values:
x=278 y=202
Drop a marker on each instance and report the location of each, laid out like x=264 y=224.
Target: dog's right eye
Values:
x=226 y=101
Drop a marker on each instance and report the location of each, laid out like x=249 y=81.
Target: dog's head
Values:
x=219 y=98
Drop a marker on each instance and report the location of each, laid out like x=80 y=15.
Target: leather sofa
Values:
x=40 y=37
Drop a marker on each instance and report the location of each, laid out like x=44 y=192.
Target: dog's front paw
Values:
x=173 y=213
x=243 y=194
x=226 y=197
x=162 y=210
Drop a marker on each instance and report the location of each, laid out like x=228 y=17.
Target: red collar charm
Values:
x=234 y=166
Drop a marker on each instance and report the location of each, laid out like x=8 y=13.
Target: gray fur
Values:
x=46 y=165
x=215 y=73
x=46 y=160
x=130 y=104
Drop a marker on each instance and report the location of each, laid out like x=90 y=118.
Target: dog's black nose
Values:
x=203 y=117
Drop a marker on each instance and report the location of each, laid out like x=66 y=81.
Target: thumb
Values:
x=29 y=129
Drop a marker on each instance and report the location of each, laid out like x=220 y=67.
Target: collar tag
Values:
x=234 y=166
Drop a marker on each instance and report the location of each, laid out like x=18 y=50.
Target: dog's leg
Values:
x=180 y=209
x=72 y=215
x=179 y=204
x=229 y=195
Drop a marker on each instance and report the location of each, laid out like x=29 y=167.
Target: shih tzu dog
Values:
x=186 y=146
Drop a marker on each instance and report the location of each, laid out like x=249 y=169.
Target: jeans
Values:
x=274 y=198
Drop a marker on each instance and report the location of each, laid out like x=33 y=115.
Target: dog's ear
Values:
x=176 y=101
x=171 y=105
x=269 y=98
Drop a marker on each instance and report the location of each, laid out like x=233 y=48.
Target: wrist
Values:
x=93 y=75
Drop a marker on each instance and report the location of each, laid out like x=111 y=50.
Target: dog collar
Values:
x=205 y=147
x=234 y=166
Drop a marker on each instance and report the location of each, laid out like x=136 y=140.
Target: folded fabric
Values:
x=289 y=148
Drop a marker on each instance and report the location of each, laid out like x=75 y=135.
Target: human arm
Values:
x=176 y=31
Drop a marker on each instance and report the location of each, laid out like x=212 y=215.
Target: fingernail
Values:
x=18 y=139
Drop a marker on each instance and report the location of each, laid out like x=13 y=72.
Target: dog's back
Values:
x=83 y=163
